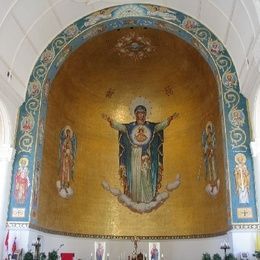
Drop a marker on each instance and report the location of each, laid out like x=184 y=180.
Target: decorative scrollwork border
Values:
x=237 y=138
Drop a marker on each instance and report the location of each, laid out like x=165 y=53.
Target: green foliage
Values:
x=206 y=256
x=216 y=257
x=43 y=256
x=53 y=255
x=230 y=256
x=28 y=256
x=257 y=254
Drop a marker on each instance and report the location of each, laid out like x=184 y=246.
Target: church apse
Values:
x=170 y=88
x=199 y=159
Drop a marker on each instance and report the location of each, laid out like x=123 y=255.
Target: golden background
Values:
x=78 y=98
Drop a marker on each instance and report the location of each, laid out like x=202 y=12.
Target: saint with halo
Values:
x=140 y=152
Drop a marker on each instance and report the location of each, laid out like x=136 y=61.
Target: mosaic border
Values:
x=29 y=139
x=35 y=227
x=249 y=226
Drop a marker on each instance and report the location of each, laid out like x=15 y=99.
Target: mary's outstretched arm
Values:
x=114 y=124
x=162 y=125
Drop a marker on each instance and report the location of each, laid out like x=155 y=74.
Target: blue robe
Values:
x=149 y=145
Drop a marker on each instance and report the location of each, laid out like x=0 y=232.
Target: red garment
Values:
x=7 y=240
x=21 y=185
x=14 y=246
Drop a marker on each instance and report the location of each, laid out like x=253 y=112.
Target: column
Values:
x=6 y=161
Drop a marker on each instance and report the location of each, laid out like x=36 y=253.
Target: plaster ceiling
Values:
x=27 y=26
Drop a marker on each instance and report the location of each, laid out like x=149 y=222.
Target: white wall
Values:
x=243 y=241
x=5 y=184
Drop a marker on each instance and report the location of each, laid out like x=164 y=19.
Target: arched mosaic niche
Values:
x=30 y=133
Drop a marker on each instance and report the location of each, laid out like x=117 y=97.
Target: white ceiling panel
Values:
x=25 y=60
x=44 y=31
x=18 y=86
x=209 y=15
x=55 y=1
x=241 y=21
x=224 y=6
x=15 y=84
x=191 y=8
x=12 y=101
x=3 y=69
x=33 y=10
x=69 y=11
x=252 y=7
x=236 y=49
x=11 y=35
x=5 y=5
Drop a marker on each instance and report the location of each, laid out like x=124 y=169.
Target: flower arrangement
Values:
x=53 y=255
x=43 y=256
x=216 y=257
x=206 y=256
x=230 y=256
x=28 y=256
x=257 y=254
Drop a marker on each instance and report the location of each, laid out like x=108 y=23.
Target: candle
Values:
x=107 y=256
x=162 y=256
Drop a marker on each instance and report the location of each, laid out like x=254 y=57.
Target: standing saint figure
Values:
x=242 y=178
x=99 y=252
x=209 y=147
x=67 y=160
x=209 y=144
x=141 y=155
x=22 y=181
x=154 y=252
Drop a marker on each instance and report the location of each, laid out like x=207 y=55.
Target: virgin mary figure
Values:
x=141 y=155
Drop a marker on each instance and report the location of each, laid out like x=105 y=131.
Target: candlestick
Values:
x=225 y=246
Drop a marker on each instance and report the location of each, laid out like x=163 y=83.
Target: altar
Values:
x=135 y=255
x=139 y=256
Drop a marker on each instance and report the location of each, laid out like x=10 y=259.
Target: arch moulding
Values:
x=30 y=132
